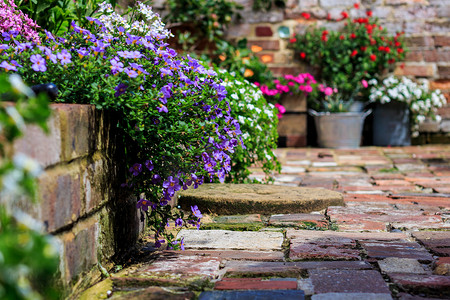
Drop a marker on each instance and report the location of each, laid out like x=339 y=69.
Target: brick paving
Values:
x=390 y=241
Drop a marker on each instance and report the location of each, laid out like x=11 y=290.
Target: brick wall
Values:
x=81 y=201
x=426 y=24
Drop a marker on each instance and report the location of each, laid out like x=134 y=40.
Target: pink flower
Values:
x=308 y=89
x=328 y=91
x=364 y=83
x=281 y=110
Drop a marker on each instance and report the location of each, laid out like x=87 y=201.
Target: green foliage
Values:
x=363 y=50
x=268 y=4
x=258 y=122
x=199 y=24
x=28 y=258
x=56 y=15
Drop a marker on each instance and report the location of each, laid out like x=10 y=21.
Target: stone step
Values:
x=228 y=199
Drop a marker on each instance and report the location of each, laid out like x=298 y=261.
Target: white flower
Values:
x=16 y=117
x=235 y=96
x=21 y=161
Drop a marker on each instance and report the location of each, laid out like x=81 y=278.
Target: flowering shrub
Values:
x=422 y=102
x=258 y=122
x=14 y=22
x=28 y=258
x=363 y=50
x=174 y=112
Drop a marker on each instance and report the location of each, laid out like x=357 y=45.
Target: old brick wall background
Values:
x=426 y=24
x=81 y=200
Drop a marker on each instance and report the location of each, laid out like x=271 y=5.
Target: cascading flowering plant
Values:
x=422 y=102
x=14 y=22
x=177 y=124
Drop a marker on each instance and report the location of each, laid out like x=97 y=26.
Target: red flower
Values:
x=373 y=57
x=325 y=32
x=381 y=48
x=387 y=49
x=329 y=16
x=363 y=48
x=354 y=52
x=293 y=40
x=391 y=61
x=373 y=42
x=353 y=36
x=302 y=55
x=341 y=37
x=306 y=15
x=397 y=44
x=324 y=38
x=344 y=15
x=400 y=50
x=356 y=5
x=369 y=13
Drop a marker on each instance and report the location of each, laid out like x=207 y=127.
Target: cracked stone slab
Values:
x=229 y=199
x=401 y=265
x=225 y=239
x=351 y=296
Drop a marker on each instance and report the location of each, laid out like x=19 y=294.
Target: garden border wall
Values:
x=82 y=202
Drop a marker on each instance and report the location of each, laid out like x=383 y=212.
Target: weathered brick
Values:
x=265 y=44
x=267 y=294
x=331 y=3
x=396 y=249
x=238 y=30
x=263 y=31
x=348 y=281
x=420 y=41
x=442 y=266
x=428 y=283
x=255 y=284
x=292 y=124
x=414 y=55
x=442 y=40
x=444 y=72
x=443 y=85
x=294 y=103
x=430 y=126
x=279 y=71
x=422 y=70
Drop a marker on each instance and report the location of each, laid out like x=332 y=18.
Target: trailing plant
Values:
x=421 y=102
x=258 y=122
x=173 y=108
x=28 y=258
x=361 y=51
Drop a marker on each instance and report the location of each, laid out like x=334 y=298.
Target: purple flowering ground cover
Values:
x=175 y=111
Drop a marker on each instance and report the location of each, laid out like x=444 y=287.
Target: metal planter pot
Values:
x=391 y=126
x=339 y=130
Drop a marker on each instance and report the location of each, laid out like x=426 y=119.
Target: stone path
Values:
x=390 y=241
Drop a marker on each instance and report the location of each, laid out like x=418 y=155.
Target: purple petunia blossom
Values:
x=136 y=169
x=179 y=222
x=120 y=89
x=5 y=65
x=38 y=63
x=149 y=165
x=64 y=57
x=116 y=65
x=156 y=179
x=158 y=243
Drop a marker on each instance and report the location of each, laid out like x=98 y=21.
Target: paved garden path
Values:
x=390 y=241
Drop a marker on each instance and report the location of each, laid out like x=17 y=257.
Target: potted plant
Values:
x=400 y=106
x=347 y=59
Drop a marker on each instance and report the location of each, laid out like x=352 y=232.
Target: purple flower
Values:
x=179 y=222
x=3 y=47
x=38 y=63
x=116 y=65
x=156 y=179
x=5 y=65
x=149 y=165
x=120 y=89
x=172 y=184
x=64 y=57
x=136 y=169
x=131 y=73
x=165 y=72
x=158 y=243
x=196 y=211
x=143 y=204
x=82 y=52
x=162 y=108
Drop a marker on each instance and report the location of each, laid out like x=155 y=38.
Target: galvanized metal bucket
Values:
x=339 y=130
x=391 y=125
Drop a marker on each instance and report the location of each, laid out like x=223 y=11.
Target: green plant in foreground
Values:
x=28 y=258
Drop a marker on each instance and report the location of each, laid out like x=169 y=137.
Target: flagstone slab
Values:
x=401 y=265
x=225 y=239
x=235 y=254
x=253 y=295
x=228 y=199
x=352 y=296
